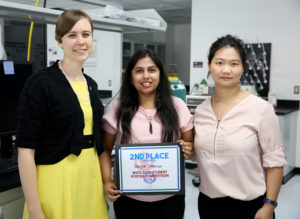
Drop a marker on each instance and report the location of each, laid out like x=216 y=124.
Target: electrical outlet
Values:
x=296 y=89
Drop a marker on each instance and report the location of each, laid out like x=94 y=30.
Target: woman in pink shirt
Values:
x=145 y=113
x=237 y=143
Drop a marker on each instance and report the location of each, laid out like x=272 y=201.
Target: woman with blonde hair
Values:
x=59 y=131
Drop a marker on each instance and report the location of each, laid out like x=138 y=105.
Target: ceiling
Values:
x=172 y=11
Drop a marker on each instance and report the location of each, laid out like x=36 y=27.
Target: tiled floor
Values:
x=288 y=200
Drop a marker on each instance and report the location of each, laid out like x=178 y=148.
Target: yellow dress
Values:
x=73 y=188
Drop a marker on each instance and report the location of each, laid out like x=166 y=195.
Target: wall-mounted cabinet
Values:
x=104 y=65
x=131 y=46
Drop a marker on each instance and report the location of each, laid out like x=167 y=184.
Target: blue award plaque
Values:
x=146 y=169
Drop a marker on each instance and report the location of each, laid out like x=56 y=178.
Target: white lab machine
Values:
x=192 y=101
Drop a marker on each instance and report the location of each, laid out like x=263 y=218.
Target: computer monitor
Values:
x=13 y=75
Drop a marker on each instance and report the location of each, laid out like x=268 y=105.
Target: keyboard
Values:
x=8 y=165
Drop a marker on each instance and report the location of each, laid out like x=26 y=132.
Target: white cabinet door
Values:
x=12 y=204
x=288 y=127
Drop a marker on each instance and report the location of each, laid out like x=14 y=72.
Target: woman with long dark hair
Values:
x=146 y=112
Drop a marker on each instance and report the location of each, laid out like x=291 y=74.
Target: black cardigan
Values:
x=50 y=119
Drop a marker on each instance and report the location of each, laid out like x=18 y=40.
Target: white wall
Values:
x=269 y=21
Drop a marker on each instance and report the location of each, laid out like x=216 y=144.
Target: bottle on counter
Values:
x=272 y=98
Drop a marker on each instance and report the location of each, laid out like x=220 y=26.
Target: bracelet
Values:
x=271 y=202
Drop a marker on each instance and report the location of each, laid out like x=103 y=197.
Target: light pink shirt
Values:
x=233 y=155
x=140 y=130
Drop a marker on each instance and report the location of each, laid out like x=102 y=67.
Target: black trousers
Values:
x=228 y=208
x=170 y=208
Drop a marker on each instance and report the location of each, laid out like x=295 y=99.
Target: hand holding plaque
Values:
x=150 y=168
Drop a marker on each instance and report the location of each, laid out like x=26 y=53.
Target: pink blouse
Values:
x=233 y=153
x=140 y=130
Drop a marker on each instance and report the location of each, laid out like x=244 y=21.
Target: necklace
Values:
x=222 y=110
x=84 y=101
x=149 y=118
x=216 y=110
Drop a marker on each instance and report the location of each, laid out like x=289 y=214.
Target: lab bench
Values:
x=11 y=196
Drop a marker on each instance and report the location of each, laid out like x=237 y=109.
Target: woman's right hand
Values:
x=28 y=176
x=187 y=148
x=111 y=191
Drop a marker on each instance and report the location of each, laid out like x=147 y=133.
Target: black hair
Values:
x=229 y=41
x=129 y=101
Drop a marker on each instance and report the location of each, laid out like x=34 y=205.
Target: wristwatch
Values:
x=271 y=202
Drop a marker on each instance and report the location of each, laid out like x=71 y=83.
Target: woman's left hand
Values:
x=111 y=191
x=265 y=212
x=187 y=148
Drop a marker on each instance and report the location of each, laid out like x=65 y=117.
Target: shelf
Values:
x=22 y=12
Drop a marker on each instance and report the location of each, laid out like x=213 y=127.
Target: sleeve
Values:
x=186 y=121
x=109 y=120
x=31 y=110
x=270 y=139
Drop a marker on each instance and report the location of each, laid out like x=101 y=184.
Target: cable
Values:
x=44 y=40
x=30 y=35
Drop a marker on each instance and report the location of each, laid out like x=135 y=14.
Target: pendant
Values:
x=150 y=127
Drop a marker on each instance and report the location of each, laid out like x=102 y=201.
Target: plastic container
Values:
x=272 y=98
x=178 y=88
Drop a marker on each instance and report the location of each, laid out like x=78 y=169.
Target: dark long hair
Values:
x=129 y=101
